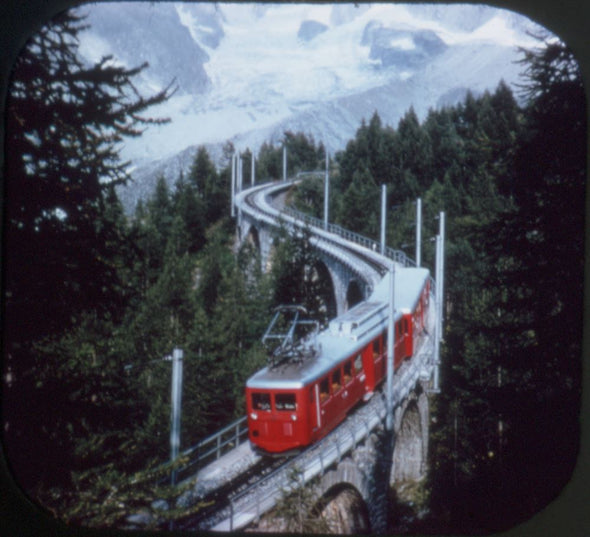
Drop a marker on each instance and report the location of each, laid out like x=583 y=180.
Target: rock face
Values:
x=346 y=514
x=403 y=49
x=310 y=29
x=247 y=73
x=204 y=21
x=136 y=33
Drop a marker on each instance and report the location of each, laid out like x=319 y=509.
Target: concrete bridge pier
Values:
x=357 y=494
x=411 y=423
x=347 y=288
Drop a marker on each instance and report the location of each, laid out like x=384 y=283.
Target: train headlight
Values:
x=293 y=417
x=253 y=415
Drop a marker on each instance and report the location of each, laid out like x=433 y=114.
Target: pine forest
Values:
x=95 y=297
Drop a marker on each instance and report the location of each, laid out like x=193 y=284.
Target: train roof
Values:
x=348 y=333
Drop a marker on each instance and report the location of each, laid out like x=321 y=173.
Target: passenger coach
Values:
x=295 y=403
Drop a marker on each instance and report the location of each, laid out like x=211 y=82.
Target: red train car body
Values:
x=293 y=404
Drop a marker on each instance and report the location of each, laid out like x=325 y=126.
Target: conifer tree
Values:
x=295 y=277
x=191 y=208
x=301 y=152
x=511 y=370
x=414 y=155
x=269 y=162
x=538 y=249
x=64 y=123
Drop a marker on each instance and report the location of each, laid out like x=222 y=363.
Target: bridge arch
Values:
x=411 y=441
x=354 y=294
x=345 y=510
x=322 y=278
x=253 y=237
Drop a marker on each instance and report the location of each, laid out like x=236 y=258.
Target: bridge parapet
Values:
x=347 y=255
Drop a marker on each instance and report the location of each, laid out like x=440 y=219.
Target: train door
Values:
x=322 y=407
x=332 y=408
x=315 y=416
x=376 y=351
x=353 y=386
x=407 y=323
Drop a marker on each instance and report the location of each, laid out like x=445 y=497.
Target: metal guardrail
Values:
x=212 y=448
x=396 y=255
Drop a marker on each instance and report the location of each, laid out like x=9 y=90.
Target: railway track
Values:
x=219 y=500
x=246 y=496
x=259 y=202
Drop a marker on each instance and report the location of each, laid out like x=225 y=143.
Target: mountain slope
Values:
x=248 y=72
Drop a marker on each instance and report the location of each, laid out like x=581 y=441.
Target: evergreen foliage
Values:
x=302 y=156
x=94 y=300
x=508 y=436
x=511 y=181
x=296 y=277
x=63 y=238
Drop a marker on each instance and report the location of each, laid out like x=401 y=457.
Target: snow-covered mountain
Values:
x=248 y=72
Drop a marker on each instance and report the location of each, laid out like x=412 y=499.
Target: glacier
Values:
x=246 y=73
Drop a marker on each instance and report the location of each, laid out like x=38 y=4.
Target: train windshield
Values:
x=261 y=401
x=285 y=401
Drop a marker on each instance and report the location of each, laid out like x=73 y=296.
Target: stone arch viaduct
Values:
x=354 y=467
x=351 y=280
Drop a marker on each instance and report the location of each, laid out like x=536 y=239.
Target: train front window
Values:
x=285 y=401
x=261 y=401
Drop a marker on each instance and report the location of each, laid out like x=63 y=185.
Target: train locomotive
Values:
x=313 y=382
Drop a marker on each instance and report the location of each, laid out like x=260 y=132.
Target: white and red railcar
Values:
x=293 y=404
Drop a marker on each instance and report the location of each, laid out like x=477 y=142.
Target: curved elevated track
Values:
x=241 y=484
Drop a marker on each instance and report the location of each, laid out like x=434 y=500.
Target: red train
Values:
x=294 y=403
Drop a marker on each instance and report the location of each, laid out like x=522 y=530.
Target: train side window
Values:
x=324 y=390
x=376 y=347
x=285 y=401
x=336 y=381
x=347 y=372
x=358 y=364
x=261 y=401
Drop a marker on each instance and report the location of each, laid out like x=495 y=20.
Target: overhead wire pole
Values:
x=390 y=349
x=233 y=185
x=239 y=173
x=327 y=192
x=437 y=292
x=439 y=285
x=253 y=171
x=284 y=162
x=175 y=414
x=419 y=232
x=442 y=268
x=383 y=216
